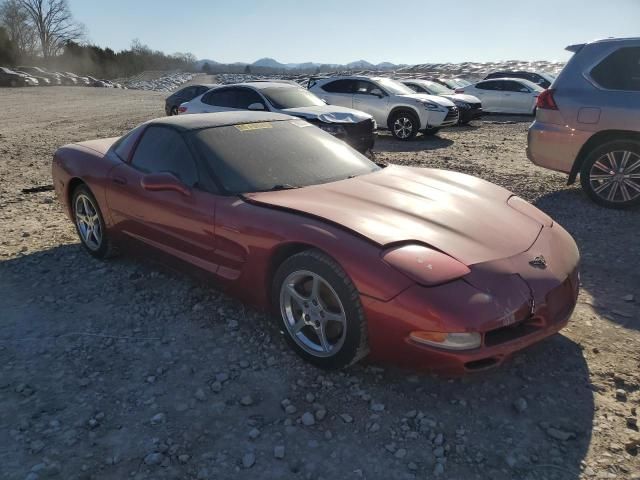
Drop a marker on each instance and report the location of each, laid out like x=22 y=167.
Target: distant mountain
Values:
x=360 y=65
x=200 y=63
x=268 y=63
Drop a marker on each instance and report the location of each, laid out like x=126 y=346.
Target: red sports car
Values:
x=420 y=267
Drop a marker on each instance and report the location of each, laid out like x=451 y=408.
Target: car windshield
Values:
x=437 y=89
x=265 y=156
x=294 y=97
x=394 y=87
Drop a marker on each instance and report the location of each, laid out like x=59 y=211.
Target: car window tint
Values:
x=220 y=98
x=487 y=85
x=125 y=144
x=339 y=86
x=511 y=86
x=245 y=97
x=162 y=149
x=364 y=87
x=620 y=70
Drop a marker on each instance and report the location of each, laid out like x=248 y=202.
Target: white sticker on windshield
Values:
x=301 y=123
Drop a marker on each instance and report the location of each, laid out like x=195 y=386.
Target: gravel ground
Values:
x=127 y=369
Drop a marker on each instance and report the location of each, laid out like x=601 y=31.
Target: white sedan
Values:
x=505 y=95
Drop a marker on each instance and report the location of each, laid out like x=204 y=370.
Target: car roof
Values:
x=260 y=85
x=198 y=121
x=515 y=79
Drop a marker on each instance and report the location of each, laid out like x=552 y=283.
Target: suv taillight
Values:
x=182 y=109
x=546 y=100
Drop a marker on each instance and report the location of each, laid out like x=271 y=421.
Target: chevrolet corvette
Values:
x=420 y=267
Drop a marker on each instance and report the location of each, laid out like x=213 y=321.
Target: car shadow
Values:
x=386 y=143
x=506 y=118
x=531 y=418
x=604 y=238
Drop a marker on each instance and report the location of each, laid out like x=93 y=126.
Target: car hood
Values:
x=462 y=97
x=431 y=98
x=460 y=215
x=328 y=113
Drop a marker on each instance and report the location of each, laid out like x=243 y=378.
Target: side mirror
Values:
x=256 y=106
x=377 y=92
x=164 y=181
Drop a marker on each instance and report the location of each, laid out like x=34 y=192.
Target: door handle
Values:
x=119 y=180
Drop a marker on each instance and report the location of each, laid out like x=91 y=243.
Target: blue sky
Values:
x=340 y=31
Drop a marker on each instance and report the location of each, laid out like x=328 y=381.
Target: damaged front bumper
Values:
x=512 y=303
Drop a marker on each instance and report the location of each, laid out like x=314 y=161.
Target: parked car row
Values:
x=351 y=108
x=22 y=76
x=167 y=82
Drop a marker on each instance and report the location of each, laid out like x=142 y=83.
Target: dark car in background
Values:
x=11 y=78
x=41 y=72
x=185 y=94
x=539 y=78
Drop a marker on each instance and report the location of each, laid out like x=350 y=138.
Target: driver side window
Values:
x=162 y=149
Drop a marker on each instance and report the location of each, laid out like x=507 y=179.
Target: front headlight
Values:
x=332 y=129
x=431 y=106
x=424 y=265
x=449 y=341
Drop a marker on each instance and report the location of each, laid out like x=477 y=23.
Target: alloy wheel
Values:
x=403 y=127
x=615 y=176
x=88 y=222
x=313 y=313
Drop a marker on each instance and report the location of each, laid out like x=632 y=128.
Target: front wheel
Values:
x=404 y=125
x=321 y=311
x=610 y=175
x=90 y=224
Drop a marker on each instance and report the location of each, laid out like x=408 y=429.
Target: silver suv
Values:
x=392 y=104
x=588 y=121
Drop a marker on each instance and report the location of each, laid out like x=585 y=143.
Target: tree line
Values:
x=44 y=33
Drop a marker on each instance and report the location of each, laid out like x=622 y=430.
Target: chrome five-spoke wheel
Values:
x=320 y=310
x=313 y=313
x=88 y=222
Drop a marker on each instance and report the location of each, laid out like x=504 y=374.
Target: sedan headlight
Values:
x=332 y=128
x=449 y=341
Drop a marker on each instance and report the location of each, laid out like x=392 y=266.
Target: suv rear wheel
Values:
x=610 y=174
x=404 y=125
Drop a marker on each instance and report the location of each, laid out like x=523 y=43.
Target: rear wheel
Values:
x=404 y=125
x=610 y=174
x=174 y=110
x=321 y=311
x=90 y=224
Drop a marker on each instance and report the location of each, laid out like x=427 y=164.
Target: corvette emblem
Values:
x=539 y=262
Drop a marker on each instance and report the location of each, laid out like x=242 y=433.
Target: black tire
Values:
x=105 y=247
x=13 y=83
x=173 y=111
x=354 y=345
x=598 y=162
x=408 y=127
x=431 y=131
